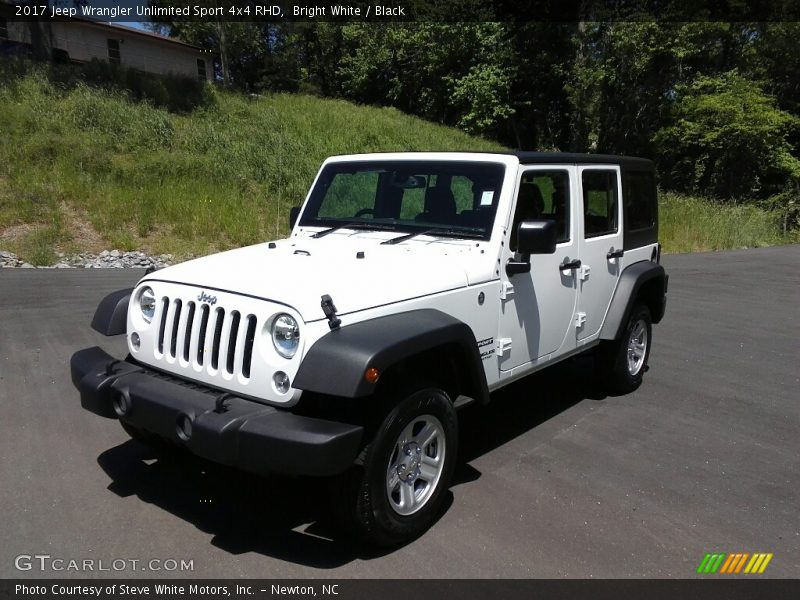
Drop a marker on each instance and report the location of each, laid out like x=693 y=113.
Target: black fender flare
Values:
x=633 y=278
x=336 y=363
x=111 y=315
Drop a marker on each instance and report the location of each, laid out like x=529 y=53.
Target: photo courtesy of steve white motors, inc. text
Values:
x=169 y=589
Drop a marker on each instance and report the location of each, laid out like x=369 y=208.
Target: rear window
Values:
x=640 y=200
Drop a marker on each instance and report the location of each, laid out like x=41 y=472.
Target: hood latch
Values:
x=330 y=312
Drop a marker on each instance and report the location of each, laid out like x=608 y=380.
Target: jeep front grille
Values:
x=200 y=335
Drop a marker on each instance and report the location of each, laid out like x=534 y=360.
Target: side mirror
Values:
x=533 y=237
x=537 y=237
x=294 y=212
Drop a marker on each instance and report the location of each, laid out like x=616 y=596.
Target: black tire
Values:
x=361 y=500
x=619 y=375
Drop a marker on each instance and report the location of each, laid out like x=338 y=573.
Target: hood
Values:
x=354 y=269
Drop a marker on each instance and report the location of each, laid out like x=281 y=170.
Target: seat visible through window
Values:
x=440 y=206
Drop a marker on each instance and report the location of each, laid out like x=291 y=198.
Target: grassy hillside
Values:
x=87 y=169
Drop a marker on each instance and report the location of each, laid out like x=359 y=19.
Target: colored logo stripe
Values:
x=733 y=563
x=727 y=564
x=710 y=563
x=758 y=563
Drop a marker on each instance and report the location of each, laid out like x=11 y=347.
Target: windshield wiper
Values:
x=353 y=225
x=475 y=233
x=408 y=236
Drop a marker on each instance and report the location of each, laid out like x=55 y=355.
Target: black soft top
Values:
x=627 y=162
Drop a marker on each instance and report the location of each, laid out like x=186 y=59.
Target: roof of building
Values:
x=140 y=32
x=153 y=35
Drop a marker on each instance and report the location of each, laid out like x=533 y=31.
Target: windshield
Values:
x=450 y=197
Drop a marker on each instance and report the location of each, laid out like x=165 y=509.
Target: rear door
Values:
x=600 y=234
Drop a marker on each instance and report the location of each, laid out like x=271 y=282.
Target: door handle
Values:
x=615 y=253
x=568 y=266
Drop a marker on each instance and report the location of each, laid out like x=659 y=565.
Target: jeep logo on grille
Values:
x=203 y=297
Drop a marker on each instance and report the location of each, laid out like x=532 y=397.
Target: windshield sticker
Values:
x=487 y=197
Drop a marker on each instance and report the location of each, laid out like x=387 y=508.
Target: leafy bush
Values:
x=173 y=92
x=728 y=139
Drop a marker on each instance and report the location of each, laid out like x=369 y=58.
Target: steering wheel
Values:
x=364 y=211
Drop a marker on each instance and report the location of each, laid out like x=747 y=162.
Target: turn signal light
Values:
x=371 y=375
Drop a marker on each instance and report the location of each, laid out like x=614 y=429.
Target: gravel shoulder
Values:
x=106 y=259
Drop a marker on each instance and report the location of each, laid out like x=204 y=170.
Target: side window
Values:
x=201 y=69
x=462 y=192
x=639 y=193
x=599 y=203
x=543 y=195
x=554 y=187
x=412 y=203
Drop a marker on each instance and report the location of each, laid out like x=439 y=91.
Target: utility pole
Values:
x=223 y=53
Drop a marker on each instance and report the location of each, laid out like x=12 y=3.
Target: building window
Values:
x=113 y=51
x=201 y=69
x=3 y=29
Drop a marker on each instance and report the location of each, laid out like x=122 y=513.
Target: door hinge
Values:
x=503 y=346
x=506 y=290
x=580 y=319
x=584 y=271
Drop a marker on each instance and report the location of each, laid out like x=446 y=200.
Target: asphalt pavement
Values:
x=555 y=479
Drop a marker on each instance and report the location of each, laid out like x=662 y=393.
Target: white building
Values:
x=81 y=40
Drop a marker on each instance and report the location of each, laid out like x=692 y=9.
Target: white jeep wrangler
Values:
x=411 y=284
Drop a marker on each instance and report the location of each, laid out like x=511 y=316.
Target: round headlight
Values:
x=147 y=303
x=285 y=335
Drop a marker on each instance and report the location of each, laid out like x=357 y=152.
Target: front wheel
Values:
x=623 y=362
x=400 y=488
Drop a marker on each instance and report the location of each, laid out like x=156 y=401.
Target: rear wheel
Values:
x=623 y=362
x=399 y=490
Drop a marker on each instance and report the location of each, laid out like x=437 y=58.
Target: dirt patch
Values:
x=16 y=233
x=84 y=236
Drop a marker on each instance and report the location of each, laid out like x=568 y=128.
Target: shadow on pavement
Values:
x=289 y=518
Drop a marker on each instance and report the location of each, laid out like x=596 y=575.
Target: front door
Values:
x=600 y=235
x=537 y=308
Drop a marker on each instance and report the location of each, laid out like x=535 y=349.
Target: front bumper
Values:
x=244 y=434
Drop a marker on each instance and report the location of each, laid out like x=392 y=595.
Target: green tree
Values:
x=624 y=75
x=448 y=73
x=776 y=61
x=543 y=117
x=253 y=56
x=728 y=139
